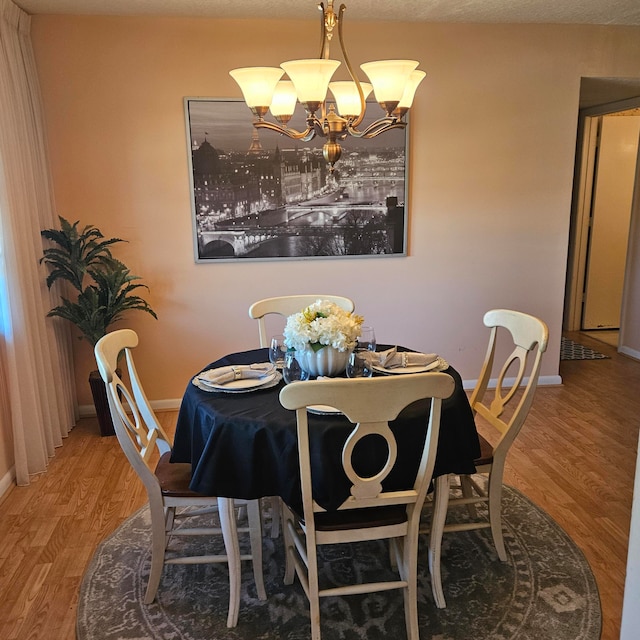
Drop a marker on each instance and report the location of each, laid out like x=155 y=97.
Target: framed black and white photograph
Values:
x=257 y=194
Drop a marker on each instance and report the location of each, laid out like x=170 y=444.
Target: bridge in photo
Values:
x=243 y=240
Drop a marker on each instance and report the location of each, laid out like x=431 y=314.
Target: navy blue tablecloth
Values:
x=244 y=445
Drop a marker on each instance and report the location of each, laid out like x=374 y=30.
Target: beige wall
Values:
x=491 y=162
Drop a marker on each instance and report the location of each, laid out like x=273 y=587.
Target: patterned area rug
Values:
x=570 y=350
x=545 y=592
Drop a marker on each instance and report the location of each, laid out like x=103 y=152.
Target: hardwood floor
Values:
x=609 y=336
x=575 y=457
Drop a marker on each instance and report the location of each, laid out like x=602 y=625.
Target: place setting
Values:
x=238 y=378
x=391 y=361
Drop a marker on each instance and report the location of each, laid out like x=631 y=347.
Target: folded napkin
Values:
x=223 y=375
x=392 y=358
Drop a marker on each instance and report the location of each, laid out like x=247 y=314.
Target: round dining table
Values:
x=244 y=445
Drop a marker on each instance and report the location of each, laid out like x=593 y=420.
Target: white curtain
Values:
x=35 y=353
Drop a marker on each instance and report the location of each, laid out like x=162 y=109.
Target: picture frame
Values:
x=259 y=195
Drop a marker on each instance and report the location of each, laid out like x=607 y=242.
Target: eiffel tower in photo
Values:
x=256 y=146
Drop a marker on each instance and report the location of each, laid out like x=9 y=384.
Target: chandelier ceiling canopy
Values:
x=393 y=82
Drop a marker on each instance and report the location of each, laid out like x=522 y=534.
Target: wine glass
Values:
x=291 y=370
x=359 y=364
x=277 y=349
x=367 y=339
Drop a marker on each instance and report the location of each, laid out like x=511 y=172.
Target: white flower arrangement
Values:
x=321 y=324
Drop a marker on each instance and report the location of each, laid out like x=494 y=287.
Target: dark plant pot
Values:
x=99 y=393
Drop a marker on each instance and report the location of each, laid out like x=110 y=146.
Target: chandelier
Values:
x=393 y=82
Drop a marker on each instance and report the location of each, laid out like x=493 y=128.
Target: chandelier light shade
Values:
x=393 y=82
x=310 y=78
x=284 y=101
x=347 y=96
x=258 y=85
x=415 y=78
x=389 y=78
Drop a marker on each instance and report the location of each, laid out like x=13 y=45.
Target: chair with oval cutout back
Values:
x=527 y=338
x=370 y=512
x=140 y=436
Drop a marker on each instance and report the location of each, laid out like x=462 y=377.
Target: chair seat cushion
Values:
x=486 y=453
x=361 y=518
x=174 y=477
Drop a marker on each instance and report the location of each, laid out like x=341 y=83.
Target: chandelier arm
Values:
x=308 y=134
x=354 y=77
x=327 y=24
x=388 y=127
x=376 y=128
x=324 y=47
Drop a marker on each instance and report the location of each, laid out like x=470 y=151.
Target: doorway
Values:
x=605 y=176
x=613 y=179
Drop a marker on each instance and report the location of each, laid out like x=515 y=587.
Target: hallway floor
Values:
x=608 y=336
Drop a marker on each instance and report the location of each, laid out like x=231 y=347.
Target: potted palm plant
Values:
x=103 y=287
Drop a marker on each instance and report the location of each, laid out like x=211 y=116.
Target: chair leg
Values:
x=394 y=550
x=158 y=546
x=275 y=516
x=169 y=520
x=289 y=567
x=495 y=513
x=438 y=518
x=409 y=560
x=230 y=535
x=467 y=492
x=254 y=515
x=314 y=596
x=241 y=513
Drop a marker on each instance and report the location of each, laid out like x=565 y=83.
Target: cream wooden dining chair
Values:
x=286 y=306
x=503 y=411
x=170 y=499
x=370 y=512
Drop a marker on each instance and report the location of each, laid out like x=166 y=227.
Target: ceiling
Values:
x=594 y=91
x=606 y=12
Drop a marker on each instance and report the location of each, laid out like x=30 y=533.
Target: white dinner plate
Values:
x=323 y=410
x=439 y=364
x=242 y=385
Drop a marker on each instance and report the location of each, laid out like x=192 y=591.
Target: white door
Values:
x=610 y=217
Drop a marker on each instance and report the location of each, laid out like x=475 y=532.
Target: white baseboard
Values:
x=632 y=353
x=550 y=381
x=543 y=381
x=166 y=405
x=87 y=410
x=7 y=481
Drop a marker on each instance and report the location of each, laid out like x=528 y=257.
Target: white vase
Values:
x=327 y=361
